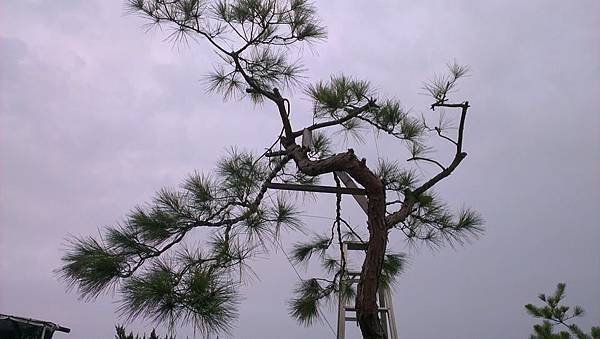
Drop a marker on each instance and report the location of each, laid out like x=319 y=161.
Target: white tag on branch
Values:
x=307 y=140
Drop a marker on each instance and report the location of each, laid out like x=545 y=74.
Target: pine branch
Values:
x=553 y=313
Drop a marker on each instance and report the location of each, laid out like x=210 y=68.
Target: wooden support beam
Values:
x=356 y=245
x=360 y=196
x=314 y=188
x=275 y=154
x=307 y=140
x=362 y=201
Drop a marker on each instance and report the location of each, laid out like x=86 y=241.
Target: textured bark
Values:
x=366 y=305
x=366 y=299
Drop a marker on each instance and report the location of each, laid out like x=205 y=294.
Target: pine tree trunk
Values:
x=366 y=298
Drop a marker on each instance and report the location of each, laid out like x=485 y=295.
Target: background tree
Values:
x=161 y=277
x=553 y=313
x=122 y=334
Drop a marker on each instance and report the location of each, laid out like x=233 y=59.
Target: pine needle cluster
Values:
x=555 y=314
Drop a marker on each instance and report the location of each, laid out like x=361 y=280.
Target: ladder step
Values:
x=355 y=245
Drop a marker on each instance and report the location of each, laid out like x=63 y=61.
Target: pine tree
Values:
x=553 y=314
x=121 y=334
x=158 y=277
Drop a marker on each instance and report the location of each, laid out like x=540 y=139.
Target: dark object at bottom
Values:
x=12 y=327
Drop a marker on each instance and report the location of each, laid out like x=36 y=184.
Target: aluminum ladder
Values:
x=384 y=302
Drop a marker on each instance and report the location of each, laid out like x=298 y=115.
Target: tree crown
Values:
x=162 y=277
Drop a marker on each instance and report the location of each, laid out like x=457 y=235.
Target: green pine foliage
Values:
x=148 y=258
x=393 y=265
x=554 y=314
x=312 y=294
x=344 y=98
x=341 y=92
x=302 y=252
x=264 y=29
x=442 y=85
x=122 y=334
x=168 y=284
x=305 y=307
x=434 y=223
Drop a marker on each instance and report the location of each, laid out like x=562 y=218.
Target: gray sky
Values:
x=95 y=115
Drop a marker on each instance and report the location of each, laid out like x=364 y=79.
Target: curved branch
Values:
x=428 y=160
x=411 y=196
x=458 y=157
x=353 y=114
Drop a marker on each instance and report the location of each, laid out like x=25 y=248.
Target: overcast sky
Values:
x=96 y=115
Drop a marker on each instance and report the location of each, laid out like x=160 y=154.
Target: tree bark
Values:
x=366 y=299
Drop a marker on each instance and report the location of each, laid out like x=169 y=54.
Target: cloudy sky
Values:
x=96 y=115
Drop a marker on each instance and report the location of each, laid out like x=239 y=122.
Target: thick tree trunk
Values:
x=366 y=300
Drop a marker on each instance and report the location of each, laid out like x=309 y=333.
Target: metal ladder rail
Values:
x=386 y=309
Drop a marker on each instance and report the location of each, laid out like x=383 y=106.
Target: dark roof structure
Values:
x=12 y=327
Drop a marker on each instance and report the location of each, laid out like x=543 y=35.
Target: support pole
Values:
x=314 y=188
x=361 y=199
